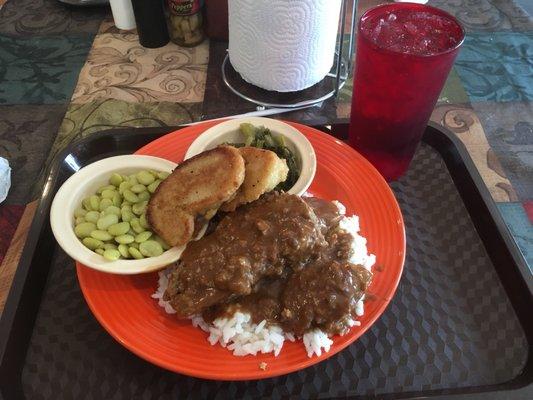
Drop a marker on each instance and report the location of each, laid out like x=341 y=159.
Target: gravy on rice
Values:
x=282 y=259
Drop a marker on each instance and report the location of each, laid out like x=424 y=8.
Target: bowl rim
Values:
x=304 y=148
x=62 y=208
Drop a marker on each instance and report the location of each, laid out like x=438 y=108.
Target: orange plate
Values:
x=124 y=307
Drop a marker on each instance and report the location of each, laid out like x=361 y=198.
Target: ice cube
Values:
x=410 y=28
x=378 y=28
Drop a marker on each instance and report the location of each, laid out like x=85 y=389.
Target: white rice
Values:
x=241 y=336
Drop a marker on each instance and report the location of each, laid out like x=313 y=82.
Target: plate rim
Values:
x=260 y=374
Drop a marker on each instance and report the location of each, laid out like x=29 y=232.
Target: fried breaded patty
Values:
x=196 y=188
x=264 y=171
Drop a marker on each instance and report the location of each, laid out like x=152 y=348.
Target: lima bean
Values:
x=86 y=204
x=130 y=196
x=118 y=229
x=94 y=202
x=150 y=248
x=143 y=236
x=138 y=188
x=115 y=179
x=111 y=254
x=99 y=251
x=84 y=229
x=145 y=177
x=92 y=243
x=162 y=175
x=80 y=220
x=144 y=222
x=117 y=199
x=108 y=193
x=127 y=215
x=123 y=249
x=139 y=208
x=92 y=216
x=108 y=246
x=104 y=203
x=106 y=187
x=153 y=186
x=144 y=196
x=101 y=235
x=135 y=253
x=106 y=221
x=133 y=179
x=136 y=225
x=124 y=239
x=112 y=210
x=123 y=186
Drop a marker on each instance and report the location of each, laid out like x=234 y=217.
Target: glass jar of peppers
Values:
x=185 y=24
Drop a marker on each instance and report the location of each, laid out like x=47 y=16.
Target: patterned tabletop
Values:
x=67 y=72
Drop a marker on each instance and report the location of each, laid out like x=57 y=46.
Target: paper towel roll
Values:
x=283 y=45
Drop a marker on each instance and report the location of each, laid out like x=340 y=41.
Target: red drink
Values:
x=404 y=54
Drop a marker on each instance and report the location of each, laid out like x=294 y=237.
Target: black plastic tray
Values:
x=459 y=325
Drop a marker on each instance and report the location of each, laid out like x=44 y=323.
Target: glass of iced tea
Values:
x=405 y=52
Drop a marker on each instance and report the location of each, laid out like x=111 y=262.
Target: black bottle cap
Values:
x=151 y=22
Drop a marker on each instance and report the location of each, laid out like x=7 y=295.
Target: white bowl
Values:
x=228 y=132
x=84 y=183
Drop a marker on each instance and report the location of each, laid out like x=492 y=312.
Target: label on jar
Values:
x=184 y=7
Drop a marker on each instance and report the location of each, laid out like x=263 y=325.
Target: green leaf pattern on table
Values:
x=497 y=66
x=82 y=120
x=40 y=70
x=487 y=15
x=26 y=136
x=48 y=17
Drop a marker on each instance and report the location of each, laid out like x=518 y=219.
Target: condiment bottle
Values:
x=185 y=22
x=151 y=25
x=122 y=14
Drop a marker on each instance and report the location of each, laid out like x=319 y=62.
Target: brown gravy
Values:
x=281 y=258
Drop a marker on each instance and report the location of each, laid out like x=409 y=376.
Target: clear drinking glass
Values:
x=405 y=52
